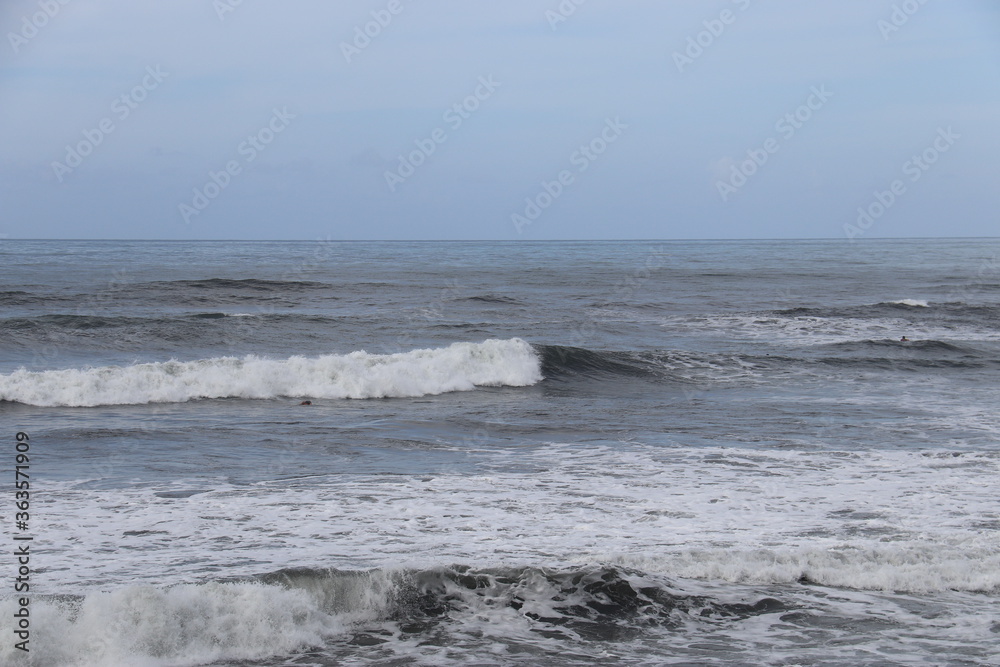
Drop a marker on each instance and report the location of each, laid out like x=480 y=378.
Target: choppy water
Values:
x=515 y=453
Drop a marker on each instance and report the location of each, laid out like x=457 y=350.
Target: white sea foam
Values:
x=811 y=330
x=145 y=626
x=912 y=567
x=459 y=367
x=916 y=303
x=865 y=522
x=906 y=521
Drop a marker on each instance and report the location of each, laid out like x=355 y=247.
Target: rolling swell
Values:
x=163 y=334
x=921 y=346
x=220 y=291
x=906 y=309
x=574 y=365
x=66 y=322
x=205 y=291
x=22 y=298
x=564 y=363
x=247 y=284
x=916 y=355
x=495 y=299
x=892 y=308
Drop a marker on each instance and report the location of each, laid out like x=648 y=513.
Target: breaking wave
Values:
x=459 y=367
x=294 y=609
x=526 y=609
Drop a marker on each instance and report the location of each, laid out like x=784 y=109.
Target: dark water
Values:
x=515 y=453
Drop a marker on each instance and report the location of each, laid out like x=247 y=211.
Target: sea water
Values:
x=592 y=453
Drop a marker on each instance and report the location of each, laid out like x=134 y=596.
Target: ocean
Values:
x=509 y=453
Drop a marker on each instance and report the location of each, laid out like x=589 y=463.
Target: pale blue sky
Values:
x=304 y=134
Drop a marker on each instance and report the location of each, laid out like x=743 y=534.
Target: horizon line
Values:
x=611 y=240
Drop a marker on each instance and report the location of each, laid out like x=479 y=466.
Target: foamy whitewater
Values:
x=459 y=367
x=697 y=453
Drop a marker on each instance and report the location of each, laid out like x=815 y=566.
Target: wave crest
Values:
x=459 y=367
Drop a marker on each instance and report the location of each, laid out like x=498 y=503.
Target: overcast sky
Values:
x=512 y=119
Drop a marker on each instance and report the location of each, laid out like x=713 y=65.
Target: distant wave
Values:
x=883 y=308
x=459 y=367
x=495 y=298
x=21 y=298
x=895 y=355
x=261 y=315
x=195 y=291
x=909 y=345
x=254 y=284
x=214 y=291
x=74 y=323
x=68 y=322
x=911 y=309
